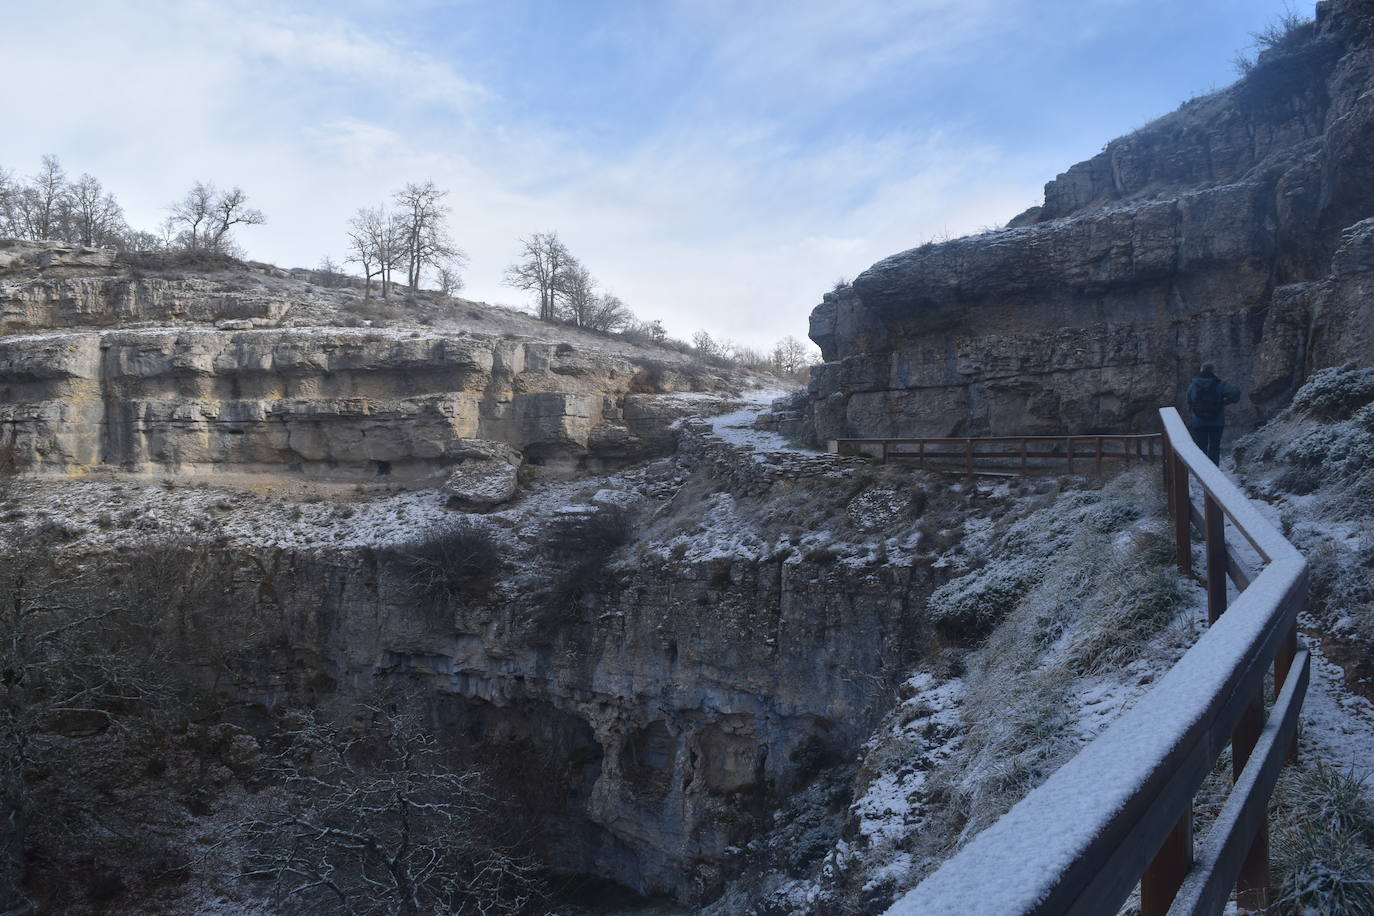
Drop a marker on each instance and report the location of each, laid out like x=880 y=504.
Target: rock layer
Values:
x=241 y=368
x=1226 y=232
x=323 y=402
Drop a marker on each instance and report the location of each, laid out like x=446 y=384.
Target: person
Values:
x=1207 y=400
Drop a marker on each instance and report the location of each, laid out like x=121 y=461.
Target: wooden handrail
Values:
x=971 y=454
x=1120 y=812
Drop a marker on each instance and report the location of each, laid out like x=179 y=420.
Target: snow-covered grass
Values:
x=1085 y=609
x=1314 y=465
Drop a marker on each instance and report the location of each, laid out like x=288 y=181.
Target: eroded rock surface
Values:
x=233 y=372
x=1229 y=231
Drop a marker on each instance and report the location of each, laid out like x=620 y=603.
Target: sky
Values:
x=718 y=164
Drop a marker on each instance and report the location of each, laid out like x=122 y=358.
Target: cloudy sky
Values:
x=716 y=163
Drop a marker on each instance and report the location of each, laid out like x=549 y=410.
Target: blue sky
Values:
x=716 y=163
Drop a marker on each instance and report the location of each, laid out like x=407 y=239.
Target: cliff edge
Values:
x=1235 y=230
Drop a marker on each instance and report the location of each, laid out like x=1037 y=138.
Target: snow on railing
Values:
x=1120 y=812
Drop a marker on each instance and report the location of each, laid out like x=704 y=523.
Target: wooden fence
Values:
x=1007 y=454
x=1120 y=813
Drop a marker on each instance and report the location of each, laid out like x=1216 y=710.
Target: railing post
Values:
x=1165 y=873
x=923 y=453
x=1068 y=452
x=1168 y=466
x=1023 y=457
x=1099 y=454
x=1283 y=664
x=968 y=456
x=1215 y=525
x=1252 y=887
x=1182 y=535
x=882 y=452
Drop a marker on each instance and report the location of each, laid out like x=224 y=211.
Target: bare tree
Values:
x=95 y=216
x=450 y=280
x=790 y=356
x=231 y=209
x=543 y=267
x=706 y=345
x=328 y=274
x=9 y=224
x=362 y=249
x=74 y=658
x=141 y=240
x=190 y=216
x=423 y=217
x=579 y=295
x=46 y=198
x=609 y=314
x=375 y=822
x=204 y=218
x=376 y=243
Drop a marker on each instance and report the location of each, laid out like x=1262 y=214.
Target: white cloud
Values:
x=716 y=220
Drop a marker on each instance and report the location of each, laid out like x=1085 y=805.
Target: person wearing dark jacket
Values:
x=1207 y=400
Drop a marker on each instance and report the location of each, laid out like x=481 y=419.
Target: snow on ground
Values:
x=268 y=511
x=928 y=727
x=737 y=427
x=1337 y=726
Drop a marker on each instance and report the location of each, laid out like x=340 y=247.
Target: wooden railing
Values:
x=1007 y=454
x=1120 y=813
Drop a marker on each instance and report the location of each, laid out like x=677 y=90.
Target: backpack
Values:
x=1207 y=401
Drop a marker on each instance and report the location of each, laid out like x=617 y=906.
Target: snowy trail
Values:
x=1337 y=725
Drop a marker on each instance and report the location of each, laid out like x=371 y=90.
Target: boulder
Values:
x=487 y=474
x=481 y=484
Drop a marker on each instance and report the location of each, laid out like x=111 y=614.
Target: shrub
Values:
x=969 y=607
x=461 y=559
x=1287 y=33
x=1335 y=393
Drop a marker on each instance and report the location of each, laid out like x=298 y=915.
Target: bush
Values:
x=1287 y=33
x=969 y=607
x=1335 y=393
x=460 y=560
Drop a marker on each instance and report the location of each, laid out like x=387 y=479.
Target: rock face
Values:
x=234 y=387
x=1229 y=231
x=647 y=705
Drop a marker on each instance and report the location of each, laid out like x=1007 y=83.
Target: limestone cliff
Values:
x=242 y=371
x=1234 y=230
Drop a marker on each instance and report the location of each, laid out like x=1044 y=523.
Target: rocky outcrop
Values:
x=335 y=403
x=140 y=362
x=1225 y=232
x=646 y=705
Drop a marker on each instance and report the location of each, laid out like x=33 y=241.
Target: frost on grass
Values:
x=1323 y=840
x=1058 y=613
x=1314 y=465
x=970 y=606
